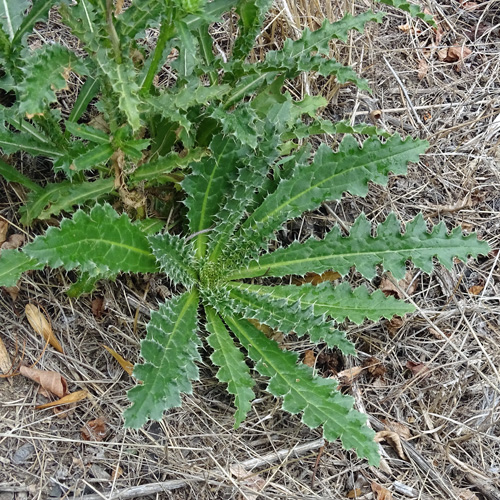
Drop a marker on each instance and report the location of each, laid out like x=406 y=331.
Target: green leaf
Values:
x=187 y=45
x=99 y=242
x=240 y=196
x=92 y=157
x=87 y=132
x=150 y=225
x=251 y=15
x=330 y=175
x=38 y=12
x=54 y=198
x=316 y=397
x=11 y=174
x=207 y=186
x=233 y=370
x=240 y=122
x=88 y=91
x=360 y=249
x=286 y=315
x=169 y=351
x=152 y=172
x=414 y=10
x=339 y=302
x=11 y=15
x=123 y=80
x=133 y=21
x=13 y=263
x=86 y=283
x=12 y=142
x=46 y=71
x=175 y=256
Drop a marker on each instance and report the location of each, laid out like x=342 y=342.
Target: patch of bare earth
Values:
x=429 y=381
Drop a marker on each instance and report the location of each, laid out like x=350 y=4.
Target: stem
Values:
x=167 y=31
x=113 y=35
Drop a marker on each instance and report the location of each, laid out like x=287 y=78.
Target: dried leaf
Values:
x=400 y=429
x=470 y=6
x=98 y=307
x=375 y=115
x=418 y=369
x=94 y=430
x=355 y=493
x=442 y=54
x=117 y=472
x=269 y=332
x=381 y=492
x=347 y=377
x=465 y=494
x=394 y=325
x=4 y=226
x=316 y=279
x=476 y=289
x=39 y=323
x=14 y=241
x=13 y=291
x=406 y=28
x=393 y=439
x=408 y=284
x=73 y=397
x=374 y=367
x=51 y=382
x=309 y=358
x=5 y=361
x=252 y=481
x=423 y=69
x=457 y=53
x=126 y=365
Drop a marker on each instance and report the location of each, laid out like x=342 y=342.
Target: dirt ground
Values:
x=431 y=379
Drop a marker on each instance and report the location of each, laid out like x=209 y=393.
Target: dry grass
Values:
x=451 y=410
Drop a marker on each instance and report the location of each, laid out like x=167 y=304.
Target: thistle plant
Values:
x=247 y=169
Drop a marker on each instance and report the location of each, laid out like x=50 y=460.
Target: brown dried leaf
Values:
x=457 y=53
x=423 y=69
x=408 y=284
x=394 y=325
x=346 y=377
x=4 y=226
x=374 y=367
x=309 y=358
x=316 y=279
x=406 y=28
x=13 y=291
x=252 y=481
x=465 y=494
x=14 y=241
x=126 y=365
x=355 y=493
x=51 y=382
x=393 y=439
x=98 y=307
x=269 y=332
x=71 y=398
x=94 y=430
x=399 y=428
x=476 y=289
x=381 y=492
x=5 y=361
x=375 y=115
x=418 y=369
x=470 y=6
x=39 y=323
x=442 y=54
x=117 y=472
